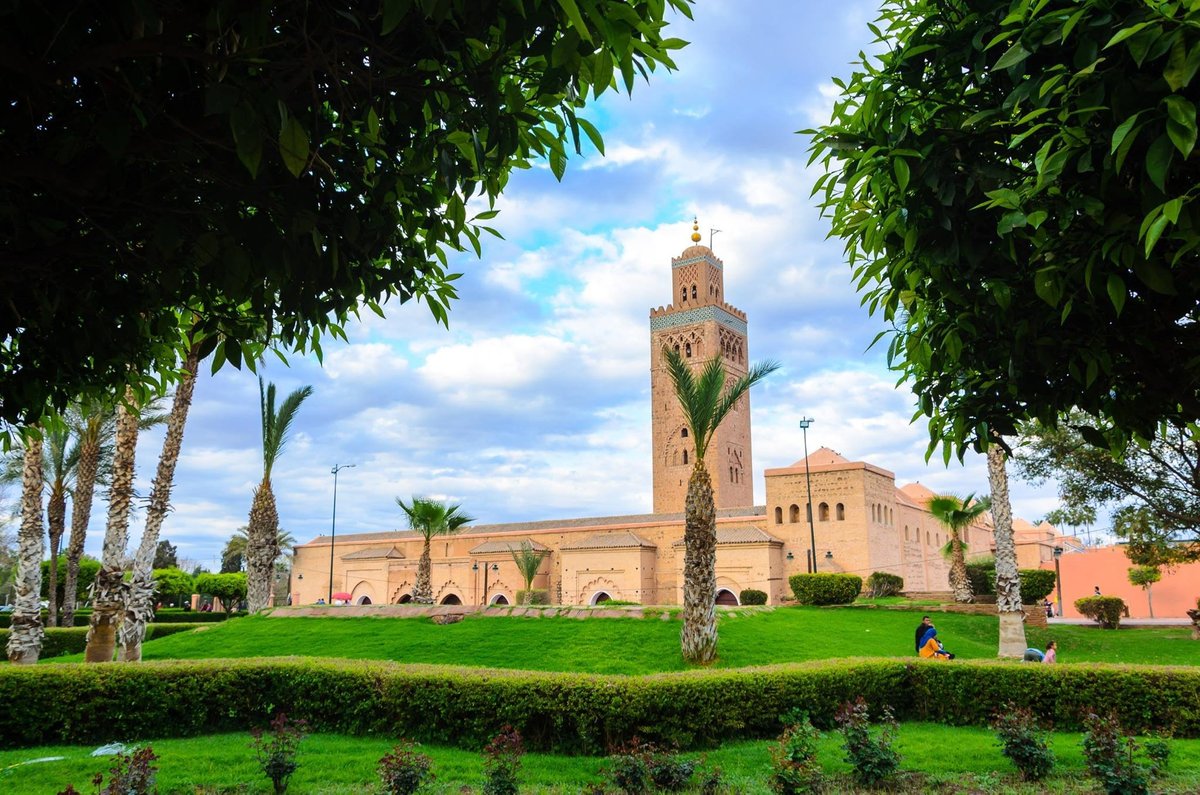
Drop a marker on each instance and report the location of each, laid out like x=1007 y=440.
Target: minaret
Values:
x=699 y=324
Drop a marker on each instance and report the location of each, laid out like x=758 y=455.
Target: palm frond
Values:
x=528 y=561
x=431 y=517
x=707 y=400
x=277 y=424
x=957 y=514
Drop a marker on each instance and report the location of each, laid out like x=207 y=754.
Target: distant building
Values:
x=861 y=522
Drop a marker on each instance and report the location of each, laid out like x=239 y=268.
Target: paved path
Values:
x=1126 y=622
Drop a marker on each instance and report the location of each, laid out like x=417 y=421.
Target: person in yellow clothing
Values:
x=932 y=647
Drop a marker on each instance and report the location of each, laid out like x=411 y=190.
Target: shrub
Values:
x=60 y=641
x=1023 y=741
x=825 y=589
x=982 y=574
x=502 y=762
x=752 y=596
x=883 y=584
x=1036 y=585
x=129 y=775
x=636 y=766
x=405 y=769
x=276 y=749
x=536 y=596
x=1104 y=610
x=872 y=757
x=1110 y=756
x=794 y=765
x=567 y=713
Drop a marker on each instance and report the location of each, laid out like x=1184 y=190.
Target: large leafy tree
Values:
x=268 y=164
x=262 y=531
x=430 y=518
x=706 y=398
x=1153 y=485
x=956 y=515
x=1015 y=186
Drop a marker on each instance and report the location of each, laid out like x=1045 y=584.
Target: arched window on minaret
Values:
x=693 y=292
x=841 y=512
x=683 y=293
x=779 y=515
x=687 y=349
x=683 y=432
x=794 y=514
x=823 y=512
x=677 y=347
x=685 y=456
x=731 y=474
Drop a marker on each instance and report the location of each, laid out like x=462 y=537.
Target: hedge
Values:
x=571 y=713
x=1104 y=610
x=535 y=596
x=1036 y=584
x=166 y=616
x=60 y=641
x=881 y=584
x=752 y=596
x=825 y=589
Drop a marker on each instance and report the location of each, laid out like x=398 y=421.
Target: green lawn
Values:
x=635 y=646
x=937 y=758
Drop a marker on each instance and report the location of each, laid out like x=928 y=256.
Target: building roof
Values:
x=374 y=552
x=610 y=541
x=915 y=494
x=507 y=545
x=740 y=535
x=823 y=457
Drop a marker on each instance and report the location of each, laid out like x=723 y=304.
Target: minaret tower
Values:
x=700 y=325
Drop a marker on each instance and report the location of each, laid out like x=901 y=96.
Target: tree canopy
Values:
x=268 y=167
x=1015 y=189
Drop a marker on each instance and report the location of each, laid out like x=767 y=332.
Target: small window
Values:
x=687 y=350
x=779 y=516
x=905 y=532
x=683 y=433
x=731 y=475
x=693 y=291
x=794 y=513
x=823 y=511
x=685 y=456
x=841 y=512
x=677 y=349
x=683 y=294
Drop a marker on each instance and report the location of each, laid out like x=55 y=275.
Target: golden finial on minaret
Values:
x=695 y=230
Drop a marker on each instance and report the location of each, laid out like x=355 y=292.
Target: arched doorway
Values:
x=404 y=599
x=364 y=600
x=600 y=598
x=727 y=597
x=500 y=599
x=451 y=599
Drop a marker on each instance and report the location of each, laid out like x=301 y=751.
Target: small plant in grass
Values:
x=276 y=749
x=794 y=765
x=872 y=756
x=752 y=596
x=1023 y=741
x=130 y=775
x=881 y=584
x=405 y=769
x=502 y=762
x=1111 y=756
x=637 y=767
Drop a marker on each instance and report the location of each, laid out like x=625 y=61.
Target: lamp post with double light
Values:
x=493 y=567
x=812 y=531
x=1058 y=578
x=333 y=524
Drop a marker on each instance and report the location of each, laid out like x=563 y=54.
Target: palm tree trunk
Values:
x=1008 y=584
x=56 y=515
x=25 y=636
x=109 y=590
x=85 y=486
x=699 y=636
x=140 y=607
x=423 y=589
x=261 y=550
x=960 y=583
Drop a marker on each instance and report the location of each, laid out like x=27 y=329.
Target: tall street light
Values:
x=1058 y=578
x=333 y=525
x=812 y=531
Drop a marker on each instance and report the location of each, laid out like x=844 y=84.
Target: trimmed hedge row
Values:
x=825 y=589
x=586 y=713
x=166 y=616
x=60 y=641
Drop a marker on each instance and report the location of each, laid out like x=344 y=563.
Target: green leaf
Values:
x=1125 y=33
x=902 y=173
x=1123 y=130
x=1171 y=209
x=1158 y=160
x=1180 y=68
x=1154 y=275
x=593 y=134
x=572 y=11
x=1013 y=56
x=243 y=123
x=1181 y=123
x=1116 y=292
x=1047 y=286
x=293 y=146
x=1155 y=232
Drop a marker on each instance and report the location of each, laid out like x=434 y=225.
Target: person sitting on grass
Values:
x=1051 y=655
x=922 y=628
x=932 y=648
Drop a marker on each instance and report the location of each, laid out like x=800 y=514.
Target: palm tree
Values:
x=957 y=515
x=237 y=544
x=263 y=528
x=109 y=589
x=1008 y=584
x=430 y=518
x=706 y=401
x=25 y=637
x=528 y=561
x=140 y=607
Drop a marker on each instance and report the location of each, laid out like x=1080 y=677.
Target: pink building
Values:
x=1108 y=568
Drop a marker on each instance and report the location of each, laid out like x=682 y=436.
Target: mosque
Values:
x=857 y=519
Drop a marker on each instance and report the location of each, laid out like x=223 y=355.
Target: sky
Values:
x=534 y=403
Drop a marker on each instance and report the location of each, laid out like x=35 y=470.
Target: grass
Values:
x=937 y=758
x=638 y=646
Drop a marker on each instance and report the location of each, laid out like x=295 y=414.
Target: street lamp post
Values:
x=1058 y=578
x=812 y=531
x=333 y=524
x=493 y=567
